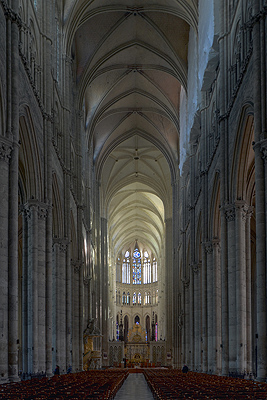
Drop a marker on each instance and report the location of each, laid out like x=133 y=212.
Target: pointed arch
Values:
x=243 y=157
x=57 y=221
x=30 y=171
x=215 y=221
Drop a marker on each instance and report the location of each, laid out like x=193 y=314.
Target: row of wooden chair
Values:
x=173 y=384
x=93 y=384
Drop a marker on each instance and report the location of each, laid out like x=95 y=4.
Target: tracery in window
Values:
x=146 y=268
x=147 y=298
x=126 y=270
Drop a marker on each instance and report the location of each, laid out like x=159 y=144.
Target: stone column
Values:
x=5 y=154
x=13 y=88
x=197 y=317
x=223 y=146
x=32 y=294
x=240 y=211
x=76 y=317
x=217 y=293
x=169 y=275
x=186 y=360
x=210 y=306
x=231 y=245
x=191 y=320
x=25 y=228
x=47 y=86
x=67 y=76
x=249 y=343
x=60 y=303
x=42 y=215
x=176 y=277
x=104 y=283
x=204 y=320
x=260 y=183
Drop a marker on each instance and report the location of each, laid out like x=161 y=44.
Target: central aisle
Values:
x=135 y=387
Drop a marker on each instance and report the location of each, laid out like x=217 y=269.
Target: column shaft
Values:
x=5 y=154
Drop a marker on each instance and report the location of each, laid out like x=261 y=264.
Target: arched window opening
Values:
x=155 y=270
x=126 y=272
x=128 y=299
x=123 y=298
x=146 y=268
x=134 y=298
x=139 y=298
x=126 y=328
x=117 y=328
x=137 y=320
x=156 y=327
x=148 y=328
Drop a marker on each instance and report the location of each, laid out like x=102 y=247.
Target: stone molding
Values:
x=180 y=320
x=10 y=14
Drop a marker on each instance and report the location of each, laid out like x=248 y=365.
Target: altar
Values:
x=137 y=350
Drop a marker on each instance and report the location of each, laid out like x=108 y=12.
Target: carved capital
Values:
x=242 y=208
x=264 y=151
x=208 y=247
x=196 y=267
x=62 y=244
x=229 y=213
x=216 y=244
x=63 y=247
x=42 y=213
x=77 y=265
x=5 y=151
x=86 y=280
x=186 y=282
x=250 y=212
x=27 y=213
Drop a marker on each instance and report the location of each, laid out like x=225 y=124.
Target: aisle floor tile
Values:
x=135 y=387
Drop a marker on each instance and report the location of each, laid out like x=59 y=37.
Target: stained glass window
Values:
x=137 y=269
x=134 y=298
x=139 y=298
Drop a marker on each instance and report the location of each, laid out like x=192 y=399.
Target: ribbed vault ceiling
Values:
x=131 y=61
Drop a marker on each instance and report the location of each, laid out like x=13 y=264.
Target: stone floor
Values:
x=135 y=387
